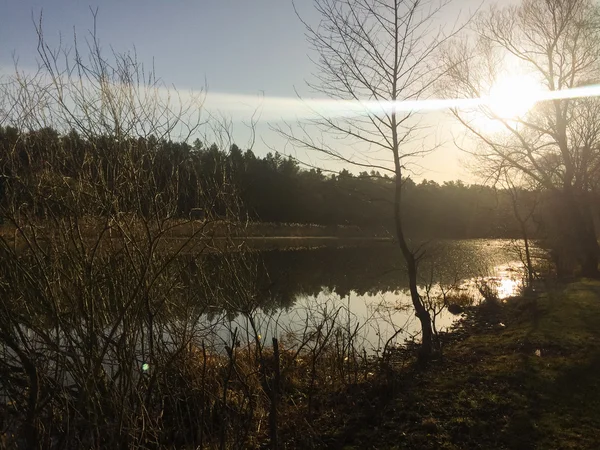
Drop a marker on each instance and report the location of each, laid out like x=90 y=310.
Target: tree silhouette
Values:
x=379 y=53
x=555 y=144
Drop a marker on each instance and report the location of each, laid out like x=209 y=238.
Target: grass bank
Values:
x=522 y=375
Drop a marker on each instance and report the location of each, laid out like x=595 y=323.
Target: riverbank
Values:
x=521 y=375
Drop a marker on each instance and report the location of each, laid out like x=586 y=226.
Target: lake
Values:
x=355 y=295
x=363 y=287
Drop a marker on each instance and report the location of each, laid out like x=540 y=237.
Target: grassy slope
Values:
x=491 y=390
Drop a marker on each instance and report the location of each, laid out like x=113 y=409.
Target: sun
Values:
x=513 y=96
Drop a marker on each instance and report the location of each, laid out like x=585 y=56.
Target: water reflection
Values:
x=365 y=287
x=377 y=269
x=506 y=282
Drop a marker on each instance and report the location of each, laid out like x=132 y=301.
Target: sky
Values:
x=247 y=53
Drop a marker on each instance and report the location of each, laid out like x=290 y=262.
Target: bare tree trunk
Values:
x=523 y=227
x=411 y=264
x=527 y=255
x=585 y=236
x=274 y=394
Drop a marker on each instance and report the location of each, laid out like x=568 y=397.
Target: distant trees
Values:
x=270 y=189
x=556 y=145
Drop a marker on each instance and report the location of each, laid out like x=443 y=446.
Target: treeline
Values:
x=277 y=189
x=270 y=189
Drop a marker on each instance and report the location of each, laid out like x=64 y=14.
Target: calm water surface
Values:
x=365 y=287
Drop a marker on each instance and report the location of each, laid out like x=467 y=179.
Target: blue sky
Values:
x=249 y=47
x=240 y=46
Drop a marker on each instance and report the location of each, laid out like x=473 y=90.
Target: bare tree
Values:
x=372 y=56
x=523 y=211
x=555 y=144
x=103 y=285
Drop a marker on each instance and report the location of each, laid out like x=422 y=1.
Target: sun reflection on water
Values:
x=506 y=283
x=508 y=288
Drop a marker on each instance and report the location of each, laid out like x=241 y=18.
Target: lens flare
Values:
x=510 y=98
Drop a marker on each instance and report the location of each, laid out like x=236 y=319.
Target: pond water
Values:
x=364 y=288
x=350 y=292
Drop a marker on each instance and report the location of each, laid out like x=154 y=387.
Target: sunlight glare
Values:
x=508 y=288
x=513 y=96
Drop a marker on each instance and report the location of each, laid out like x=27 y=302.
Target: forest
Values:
x=274 y=188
